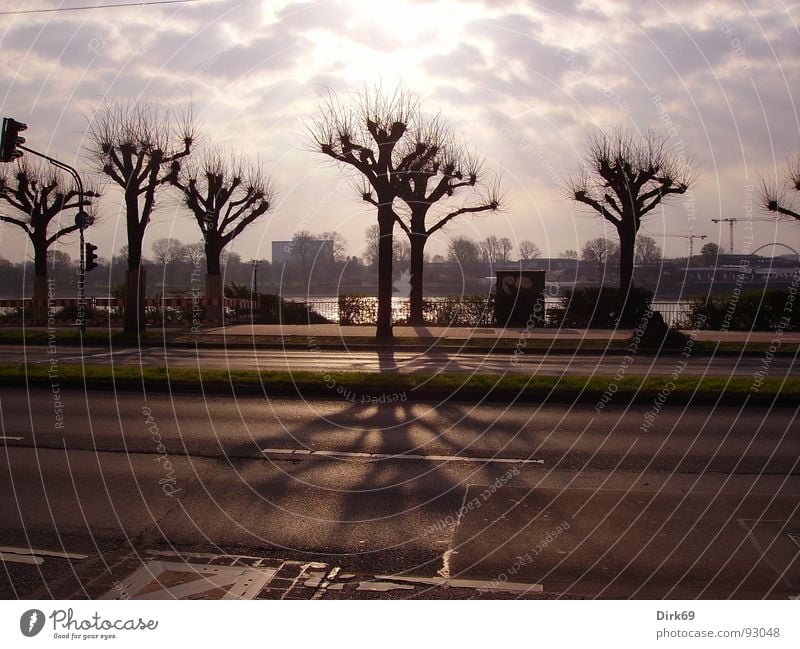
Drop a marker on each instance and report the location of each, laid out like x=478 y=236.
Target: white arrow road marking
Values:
x=44 y=553
x=20 y=558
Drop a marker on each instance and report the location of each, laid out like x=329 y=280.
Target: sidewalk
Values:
x=190 y=575
x=486 y=334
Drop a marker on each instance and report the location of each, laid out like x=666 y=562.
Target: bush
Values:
x=355 y=308
x=657 y=334
x=602 y=308
x=468 y=311
x=765 y=310
x=273 y=309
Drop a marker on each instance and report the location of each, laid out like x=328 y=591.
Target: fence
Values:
x=438 y=311
x=104 y=309
x=441 y=311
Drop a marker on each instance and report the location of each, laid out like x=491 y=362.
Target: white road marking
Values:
x=44 y=553
x=298 y=453
x=20 y=558
x=6 y=437
x=466 y=583
x=237 y=582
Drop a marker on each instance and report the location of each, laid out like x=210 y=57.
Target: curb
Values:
x=536 y=396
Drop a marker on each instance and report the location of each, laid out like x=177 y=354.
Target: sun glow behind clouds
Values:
x=390 y=40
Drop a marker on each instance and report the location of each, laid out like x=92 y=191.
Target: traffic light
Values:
x=10 y=139
x=91 y=256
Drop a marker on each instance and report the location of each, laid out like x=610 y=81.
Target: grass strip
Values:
x=583 y=388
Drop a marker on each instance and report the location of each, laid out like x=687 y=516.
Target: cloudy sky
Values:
x=522 y=82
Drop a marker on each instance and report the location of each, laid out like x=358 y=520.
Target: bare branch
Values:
x=225 y=193
x=779 y=198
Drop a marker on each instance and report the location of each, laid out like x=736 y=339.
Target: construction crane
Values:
x=690 y=237
x=731 y=220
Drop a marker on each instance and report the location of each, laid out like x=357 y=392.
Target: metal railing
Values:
x=103 y=309
x=438 y=311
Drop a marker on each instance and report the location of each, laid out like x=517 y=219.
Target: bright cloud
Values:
x=522 y=82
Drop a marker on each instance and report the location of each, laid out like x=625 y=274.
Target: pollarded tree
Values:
x=365 y=136
x=140 y=146
x=776 y=197
x=443 y=174
x=625 y=177
x=225 y=194
x=45 y=201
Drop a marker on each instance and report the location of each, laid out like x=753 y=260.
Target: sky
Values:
x=522 y=83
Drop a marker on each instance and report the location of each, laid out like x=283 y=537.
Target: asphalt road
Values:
x=403 y=361
x=700 y=504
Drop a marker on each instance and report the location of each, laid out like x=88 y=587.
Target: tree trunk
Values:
x=39 y=302
x=627 y=244
x=215 y=299
x=214 y=288
x=134 y=301
x=385 y=253
x=213 y=254
x=416 y=268
x=134 y=321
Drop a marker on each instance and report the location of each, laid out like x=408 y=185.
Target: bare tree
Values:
x=305 y=246
x=647 y=251
x=195 y=253
x=778 y=197
x=463 y=251
x=338 y=244
x=140 y=147
x=504 y=248
x=601 y=252
x=168 y=250
x=441 y=173
x=371 y=240
x=490 y=249
x=40 y=195
x=623 y=178
x=364 y=136
x=402 y=255
x=226 y=194
x=528 y=250
x=569 y=253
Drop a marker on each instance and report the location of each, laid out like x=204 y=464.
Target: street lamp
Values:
x=254 y=290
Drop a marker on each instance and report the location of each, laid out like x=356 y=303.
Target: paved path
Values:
x=315 y=359
x=482 y=333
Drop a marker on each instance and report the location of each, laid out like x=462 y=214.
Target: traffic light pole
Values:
x=81 y=221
